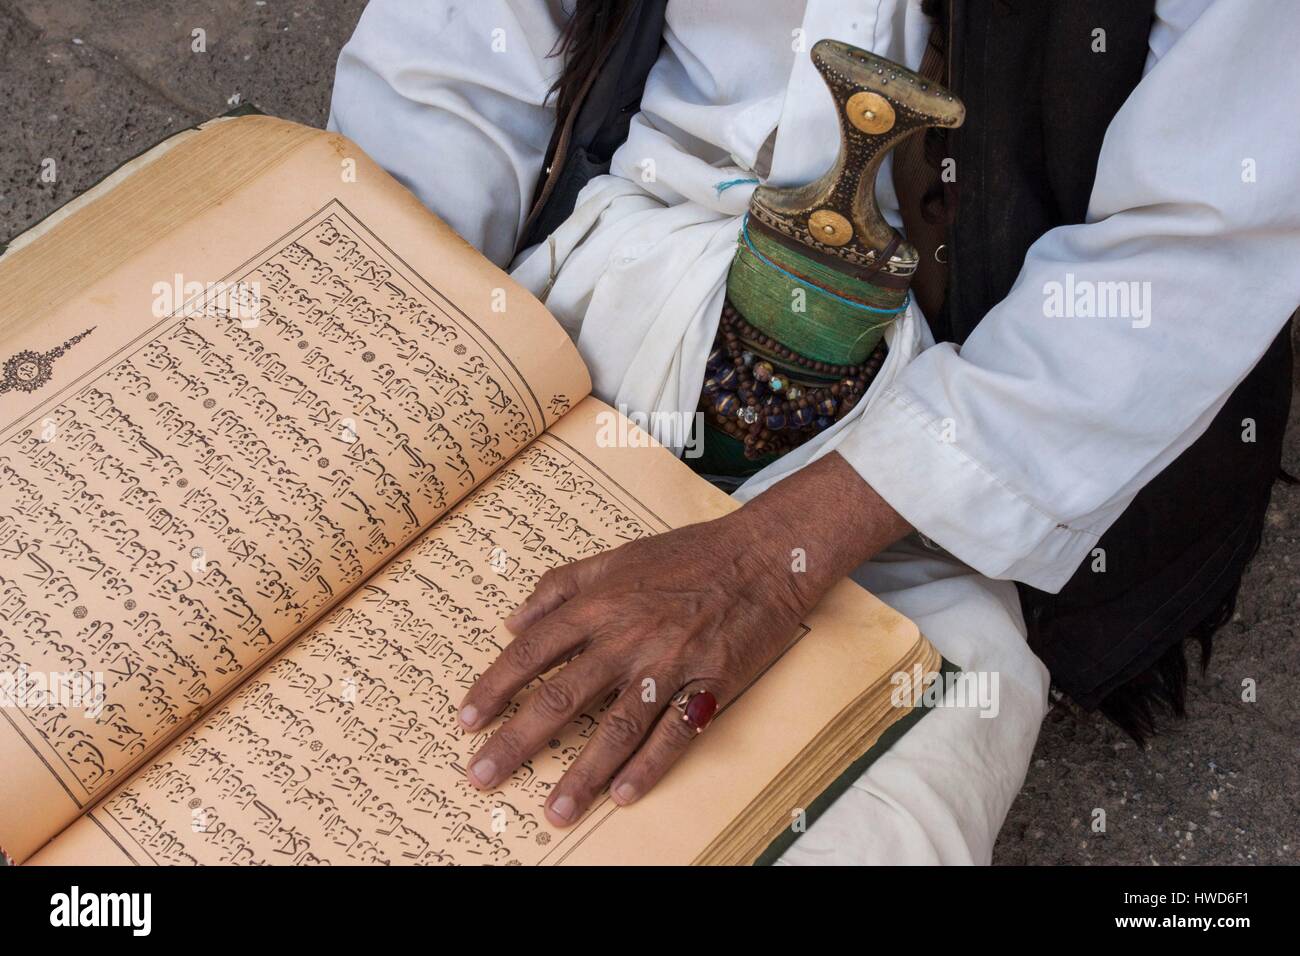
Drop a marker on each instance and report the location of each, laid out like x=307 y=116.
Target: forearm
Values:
x=819 y=523
x=462 y=123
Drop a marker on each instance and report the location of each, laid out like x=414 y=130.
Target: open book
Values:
x=278 y=452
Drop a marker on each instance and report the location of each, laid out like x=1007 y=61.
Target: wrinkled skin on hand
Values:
x=704 y=607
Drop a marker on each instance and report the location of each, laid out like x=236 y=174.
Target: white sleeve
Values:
x=450 y=97
x=1016 y=451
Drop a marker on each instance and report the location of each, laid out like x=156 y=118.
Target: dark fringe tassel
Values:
x=1162 y=688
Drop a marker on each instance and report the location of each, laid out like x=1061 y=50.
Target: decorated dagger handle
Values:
x=879 y=104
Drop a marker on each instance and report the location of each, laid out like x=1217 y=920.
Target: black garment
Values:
x=1038 y=103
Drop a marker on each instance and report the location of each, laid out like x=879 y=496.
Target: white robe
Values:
x=1014 y=452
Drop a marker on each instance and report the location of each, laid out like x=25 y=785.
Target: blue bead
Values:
x=776 y=422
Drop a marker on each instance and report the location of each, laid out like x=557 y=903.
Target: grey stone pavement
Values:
x=92 y=84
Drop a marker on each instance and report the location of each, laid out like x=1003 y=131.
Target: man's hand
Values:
x=707 y=606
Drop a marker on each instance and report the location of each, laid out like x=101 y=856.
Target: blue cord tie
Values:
x=722 y=187
x=744 y=233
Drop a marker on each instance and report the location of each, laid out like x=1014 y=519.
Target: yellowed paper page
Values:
x=346 y=750
x=202 y=450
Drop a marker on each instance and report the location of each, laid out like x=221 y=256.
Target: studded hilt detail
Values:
x=879 y=104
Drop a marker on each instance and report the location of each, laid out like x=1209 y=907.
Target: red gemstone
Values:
x=700 y=709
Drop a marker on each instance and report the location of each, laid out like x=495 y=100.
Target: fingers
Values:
x=666 y=743
x=526 y=657
x=620 y=732
x=551 y=705
x=556 y=586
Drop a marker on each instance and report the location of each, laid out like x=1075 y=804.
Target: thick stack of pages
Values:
x=278 y=451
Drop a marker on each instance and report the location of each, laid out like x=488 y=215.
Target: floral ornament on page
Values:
x=27 y=370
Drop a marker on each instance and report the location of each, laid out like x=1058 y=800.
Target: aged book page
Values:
x=345 y=748
x=290 y=375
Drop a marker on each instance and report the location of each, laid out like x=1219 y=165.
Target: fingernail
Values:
x=483 y=771
x=624 y=793
x=469 y=715
x=563 y=807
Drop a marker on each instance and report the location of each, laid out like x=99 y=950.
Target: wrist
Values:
x=826 y=520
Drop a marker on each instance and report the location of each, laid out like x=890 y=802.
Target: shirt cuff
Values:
x=906 y=451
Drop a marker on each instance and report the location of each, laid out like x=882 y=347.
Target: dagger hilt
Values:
x=879 y=104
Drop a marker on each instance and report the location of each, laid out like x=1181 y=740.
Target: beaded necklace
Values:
x=771 y=398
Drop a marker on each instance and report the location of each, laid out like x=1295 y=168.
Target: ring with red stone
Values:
x=697 y=708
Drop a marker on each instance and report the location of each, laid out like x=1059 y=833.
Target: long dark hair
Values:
x=583 y=43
